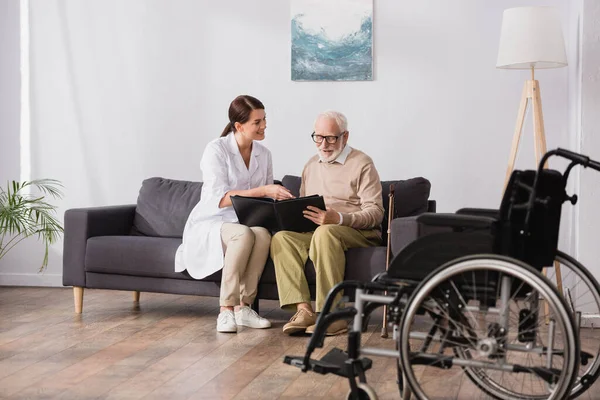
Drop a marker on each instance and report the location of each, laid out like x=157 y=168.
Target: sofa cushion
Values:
x=364 y=263
x=136 y=256
x=163 y=206
x=292 y=182
x=410 y=196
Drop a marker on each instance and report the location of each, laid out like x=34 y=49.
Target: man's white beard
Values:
x=332 y=157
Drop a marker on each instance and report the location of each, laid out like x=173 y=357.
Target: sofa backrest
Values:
x=410 y=197
x=163 y=205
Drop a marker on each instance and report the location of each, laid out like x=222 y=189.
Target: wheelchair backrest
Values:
x=529 y=230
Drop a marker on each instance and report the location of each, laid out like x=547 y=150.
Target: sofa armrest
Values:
x=406 y=230
x=84 y=223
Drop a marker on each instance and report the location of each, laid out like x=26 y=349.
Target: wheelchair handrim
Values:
x=503 y=265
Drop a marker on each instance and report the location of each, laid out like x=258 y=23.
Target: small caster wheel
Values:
x=365 y=392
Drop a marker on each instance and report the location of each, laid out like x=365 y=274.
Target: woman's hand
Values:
x=277 y=192
x=321 y=217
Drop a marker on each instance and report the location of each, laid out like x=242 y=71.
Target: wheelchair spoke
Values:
x=451 y=321
x=464 y=303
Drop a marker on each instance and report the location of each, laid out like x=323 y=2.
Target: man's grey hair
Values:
x=338 y=117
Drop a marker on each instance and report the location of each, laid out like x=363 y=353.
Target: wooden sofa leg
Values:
x=136 y=296
x=78 y=298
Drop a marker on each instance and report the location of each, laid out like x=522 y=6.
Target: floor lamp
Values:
x=531 y=38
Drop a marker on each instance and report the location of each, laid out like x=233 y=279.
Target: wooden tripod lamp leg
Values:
x=517 y=135
x=538 y=124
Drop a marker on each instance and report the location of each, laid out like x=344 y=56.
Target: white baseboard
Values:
x=14 y=279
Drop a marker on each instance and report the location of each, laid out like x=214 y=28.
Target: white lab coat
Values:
x=223 y=170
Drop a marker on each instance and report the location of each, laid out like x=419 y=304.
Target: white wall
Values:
x=126 y=90
x=21 y=264
x=569 y=232
x=10 y=90
x=589 y=214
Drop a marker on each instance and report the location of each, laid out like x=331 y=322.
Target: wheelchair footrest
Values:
x=333 y=362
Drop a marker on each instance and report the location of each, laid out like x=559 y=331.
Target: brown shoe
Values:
x=300 y=321
x=337 y=328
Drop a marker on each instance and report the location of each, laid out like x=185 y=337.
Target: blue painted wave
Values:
x=315 y=57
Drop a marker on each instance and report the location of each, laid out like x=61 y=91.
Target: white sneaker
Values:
x=246 y=316
x=226 y=322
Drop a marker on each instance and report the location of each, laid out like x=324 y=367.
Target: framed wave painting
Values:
x=332 y=40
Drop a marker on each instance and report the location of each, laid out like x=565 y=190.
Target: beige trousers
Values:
x=325 y=247
x=246 y=251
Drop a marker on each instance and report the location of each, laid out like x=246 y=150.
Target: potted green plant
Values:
x=24 y=212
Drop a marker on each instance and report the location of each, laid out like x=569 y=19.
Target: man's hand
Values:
x=321 y=217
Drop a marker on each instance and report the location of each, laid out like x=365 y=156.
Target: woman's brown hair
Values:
x=239 y=111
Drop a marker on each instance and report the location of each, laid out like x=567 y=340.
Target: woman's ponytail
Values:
x=227 y=130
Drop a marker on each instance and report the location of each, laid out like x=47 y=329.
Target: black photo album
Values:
x=276 y=215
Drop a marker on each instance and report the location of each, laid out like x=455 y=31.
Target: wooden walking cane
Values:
x=384 y=328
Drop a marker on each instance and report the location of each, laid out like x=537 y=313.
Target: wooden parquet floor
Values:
x=165 y=347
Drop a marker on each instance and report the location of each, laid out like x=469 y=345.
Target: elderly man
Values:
x=350 y=185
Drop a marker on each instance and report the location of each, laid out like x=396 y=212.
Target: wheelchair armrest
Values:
x=482 y=212
x=456 y=221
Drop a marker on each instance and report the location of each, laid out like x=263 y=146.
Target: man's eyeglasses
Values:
x=330 y=139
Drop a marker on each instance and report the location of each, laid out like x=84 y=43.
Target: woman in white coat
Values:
x=234 y=164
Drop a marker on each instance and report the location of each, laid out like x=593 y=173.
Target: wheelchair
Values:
x=470 y=308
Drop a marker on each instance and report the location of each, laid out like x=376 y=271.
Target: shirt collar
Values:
x=233 y=148
x=341 y=158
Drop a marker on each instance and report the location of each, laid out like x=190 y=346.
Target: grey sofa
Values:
x=132 y=247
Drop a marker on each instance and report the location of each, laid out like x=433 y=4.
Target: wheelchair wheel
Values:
x=480 y=322
x=582 y=294
x=365 y=392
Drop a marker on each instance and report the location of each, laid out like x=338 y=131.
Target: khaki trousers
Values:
x=246 y=251
x=325 y=247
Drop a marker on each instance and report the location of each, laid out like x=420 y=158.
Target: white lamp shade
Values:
x=531 y=37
